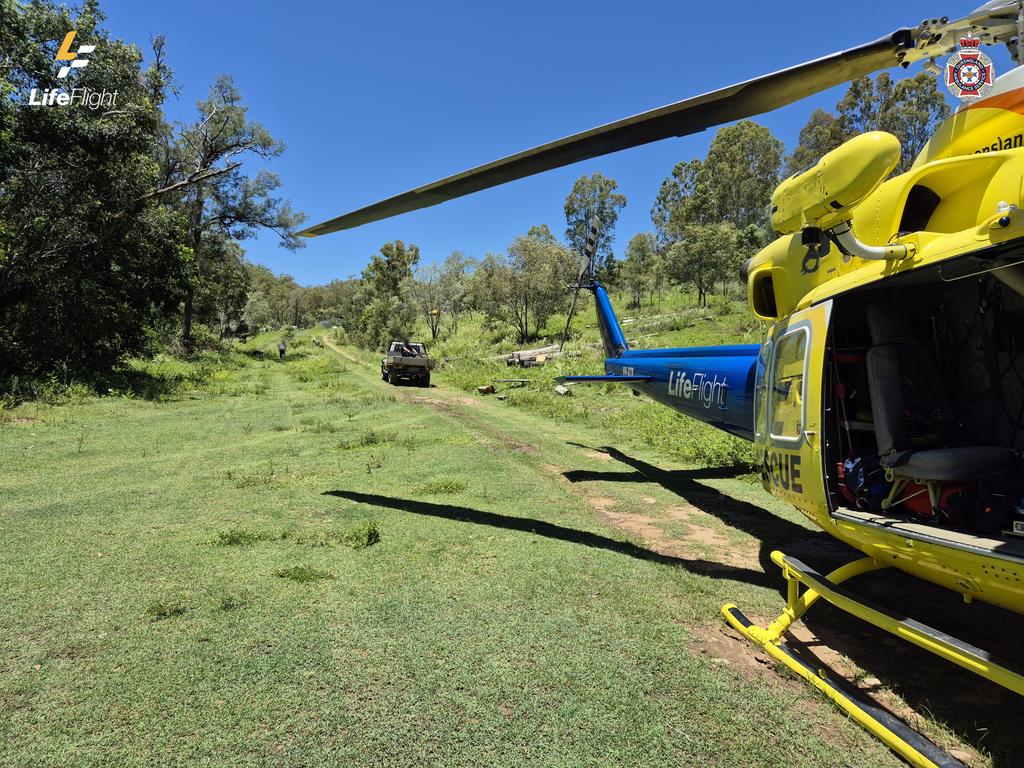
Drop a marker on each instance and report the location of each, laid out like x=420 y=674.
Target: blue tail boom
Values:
x=713 y=384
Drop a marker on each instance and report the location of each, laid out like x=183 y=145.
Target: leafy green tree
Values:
x=454 y=281
x=910 y=109
x=639 y=266
x=345 y=302
x=734 y=183
x=202 y=170
x=549 y=268
x=496 y=291
x=702 y=256
x=426 y=291
x=222 y=290
x=822 y=133
x=672 y=210
x=741 y=171
x=391 y=267
x=388 y=313
x=523 y=289
x=594 y=196
x=256 y=314
x=88 y=259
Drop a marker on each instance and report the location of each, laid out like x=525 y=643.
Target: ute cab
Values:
x=406 y=362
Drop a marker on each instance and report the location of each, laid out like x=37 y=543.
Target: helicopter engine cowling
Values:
x=823 y=195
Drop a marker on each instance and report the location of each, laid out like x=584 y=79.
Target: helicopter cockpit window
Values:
x=787 y=386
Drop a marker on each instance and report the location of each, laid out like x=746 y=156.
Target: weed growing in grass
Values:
x=233 y=601
x=373 y=398
x=243 y=480
x=366 y=439
x=302 y=574
x=442 y=486
x=238 y=537
x=376 y=461
x=358 y=537
x=166 y=609
x=279 y=428
x=361 y=536
x=318 y=426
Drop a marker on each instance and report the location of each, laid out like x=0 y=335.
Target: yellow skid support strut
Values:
x=906 y=742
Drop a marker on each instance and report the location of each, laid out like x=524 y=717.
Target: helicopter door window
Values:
x=760 y=394
x=787 y=386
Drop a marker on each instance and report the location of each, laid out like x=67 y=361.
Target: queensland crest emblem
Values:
x=969 y=72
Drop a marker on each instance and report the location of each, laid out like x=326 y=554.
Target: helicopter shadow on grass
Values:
x=552 y=531
x=771 y=531
x=979 y=712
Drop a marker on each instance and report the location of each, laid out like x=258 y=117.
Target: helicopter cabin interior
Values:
x=924 y=404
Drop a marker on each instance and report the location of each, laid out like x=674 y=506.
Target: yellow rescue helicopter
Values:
x=887 y=401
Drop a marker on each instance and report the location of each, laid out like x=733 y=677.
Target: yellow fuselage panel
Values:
x=992 y=124
x=975 y=575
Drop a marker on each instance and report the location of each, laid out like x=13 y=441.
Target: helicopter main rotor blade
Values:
x=734 y=102
x=994 y=22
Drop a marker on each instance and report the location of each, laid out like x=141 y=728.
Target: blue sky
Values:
x=374 y=98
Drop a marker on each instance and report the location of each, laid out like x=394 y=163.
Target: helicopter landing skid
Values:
x=899 y=737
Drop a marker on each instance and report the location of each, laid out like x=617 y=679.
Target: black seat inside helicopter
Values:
x=924 y=416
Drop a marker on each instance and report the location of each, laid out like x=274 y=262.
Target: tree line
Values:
x=121 y=232
x=119 y=229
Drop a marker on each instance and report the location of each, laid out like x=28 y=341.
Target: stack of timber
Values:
x=527 y=358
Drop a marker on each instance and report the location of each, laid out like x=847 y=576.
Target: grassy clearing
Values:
x=197 y=580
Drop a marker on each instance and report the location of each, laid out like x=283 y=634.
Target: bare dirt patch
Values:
x=638 y=526
x=706 y=536
x=431 y=401
x=723 y=646
x=599 y=455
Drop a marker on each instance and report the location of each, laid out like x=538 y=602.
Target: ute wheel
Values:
x=425 y=381
x=383 y=375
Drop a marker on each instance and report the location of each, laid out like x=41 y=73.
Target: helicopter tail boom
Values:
x=612 y=338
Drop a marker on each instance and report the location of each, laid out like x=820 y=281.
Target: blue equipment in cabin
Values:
x=713 y=384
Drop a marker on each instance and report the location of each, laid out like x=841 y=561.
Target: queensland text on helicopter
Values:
x=887 y=400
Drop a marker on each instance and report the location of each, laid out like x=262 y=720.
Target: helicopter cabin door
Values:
x=789 y=390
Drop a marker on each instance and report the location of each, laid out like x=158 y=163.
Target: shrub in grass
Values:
x=231 y=602
x=369 y=438
x=443 y=486
x=166 y=609
x=238 y=537
x=361 y=536
x=302 y=574
x=319 y=426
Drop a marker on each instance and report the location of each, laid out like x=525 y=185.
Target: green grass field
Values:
x=186 y=582
x=295 y=564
